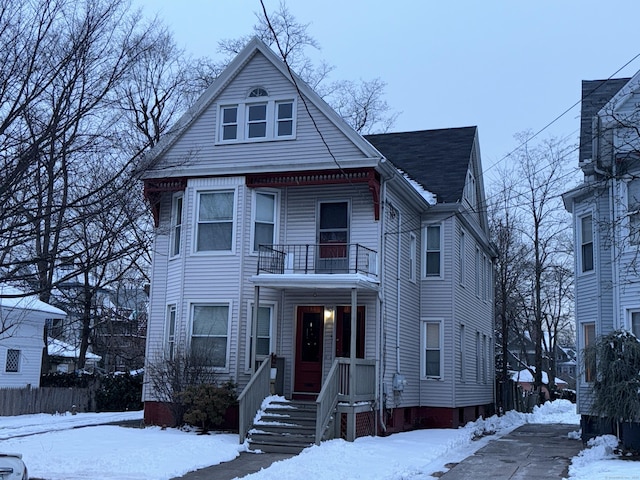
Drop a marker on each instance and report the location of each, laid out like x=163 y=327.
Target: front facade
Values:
x=264 y=196
x=605 y=221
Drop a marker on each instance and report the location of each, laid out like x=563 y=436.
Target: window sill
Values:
x=245 y=141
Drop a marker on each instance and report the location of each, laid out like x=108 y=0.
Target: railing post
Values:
x=306 y=259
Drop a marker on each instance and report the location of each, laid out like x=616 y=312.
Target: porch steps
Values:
x=285 y=427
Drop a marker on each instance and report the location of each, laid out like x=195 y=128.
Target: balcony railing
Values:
x=318 y=259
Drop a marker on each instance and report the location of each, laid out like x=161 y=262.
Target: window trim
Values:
x=462 y=258
x=632 y=210
x=196 y=221
x=176 y=228
x=169 y=343
x=581 y=244
x=413 y=254
x=272 y=332
x=229 y=304
x=440 y=275
x=18 y=360
x=629 y=320
x=423 y=347
x=478 y=277
x=588 y=376
x=271 y=121
x=276 y=210
x=462 y=342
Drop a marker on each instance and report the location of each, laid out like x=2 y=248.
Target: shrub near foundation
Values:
x=206 y=404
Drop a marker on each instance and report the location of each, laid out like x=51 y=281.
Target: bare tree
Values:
x=361 y=103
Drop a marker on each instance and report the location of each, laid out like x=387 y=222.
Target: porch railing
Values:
x=250 y=400
x=336 y=388
x=318 y=258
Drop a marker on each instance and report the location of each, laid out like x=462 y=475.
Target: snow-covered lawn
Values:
x=63 y=451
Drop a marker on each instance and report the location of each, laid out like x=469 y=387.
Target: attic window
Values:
x=258 y=92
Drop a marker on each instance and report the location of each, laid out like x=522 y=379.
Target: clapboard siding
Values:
x=196 y=149
x=26 y=337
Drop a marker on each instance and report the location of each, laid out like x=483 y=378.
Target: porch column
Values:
x=254 y=327
x=352 y=348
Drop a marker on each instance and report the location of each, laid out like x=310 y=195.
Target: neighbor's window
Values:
x=432 y=349
x=635 y=323
x=478 y=273
x=215 y=221
x=13 y=361
x=462 y=353
x=412 y=256
x=433 y=251
x=586 y=243
x=264 y=223
x=176 y=224
x=589 y=333
x=209 y=334
x=633 y=209
x=462 y=257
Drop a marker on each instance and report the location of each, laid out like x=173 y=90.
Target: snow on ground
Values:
x=55 y=448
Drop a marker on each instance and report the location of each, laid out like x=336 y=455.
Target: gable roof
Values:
x=437 y=159
x=18 y=300
x=595 y=95
x=232 y=70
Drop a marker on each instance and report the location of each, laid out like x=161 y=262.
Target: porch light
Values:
x=329 y=314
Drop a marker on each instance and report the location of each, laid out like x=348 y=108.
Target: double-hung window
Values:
x=462 y=254
x=432 y=349
x=215 y=221
x=263 y=331
x=633 y=209
x=259 y=117
x=170 y=332
x=264 y=221
x=478 y=273
x=12 y=363
x=210 y=334
x=634 y=321
x=586 y=244
x=412 y=256
x=433 y=252
x=176 y=224
x=589 y=335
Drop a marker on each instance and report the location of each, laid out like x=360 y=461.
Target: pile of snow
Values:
x=598 y=461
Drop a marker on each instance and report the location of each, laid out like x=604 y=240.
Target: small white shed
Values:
x=22 y=320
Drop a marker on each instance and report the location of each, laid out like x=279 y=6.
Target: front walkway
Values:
x=530 y=452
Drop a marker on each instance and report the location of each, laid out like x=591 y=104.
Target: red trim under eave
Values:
x=155 y=187
x=321 y=177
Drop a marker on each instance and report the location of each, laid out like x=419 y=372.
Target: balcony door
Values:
x=333 y=238
x=309 y=335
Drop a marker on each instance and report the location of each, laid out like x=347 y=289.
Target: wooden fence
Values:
x=21 y=401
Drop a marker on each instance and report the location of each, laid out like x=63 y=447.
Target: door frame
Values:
x=314 y=368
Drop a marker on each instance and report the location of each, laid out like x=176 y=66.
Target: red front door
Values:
x=308 y=368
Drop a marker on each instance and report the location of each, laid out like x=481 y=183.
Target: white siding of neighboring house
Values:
x=27 y=337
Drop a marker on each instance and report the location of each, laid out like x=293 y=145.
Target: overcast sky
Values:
x=505 y=66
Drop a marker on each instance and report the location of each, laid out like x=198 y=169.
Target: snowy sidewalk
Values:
x=532 y=451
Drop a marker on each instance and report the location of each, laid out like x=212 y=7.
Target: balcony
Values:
x=318 y=265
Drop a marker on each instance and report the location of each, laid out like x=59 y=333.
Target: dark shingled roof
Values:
x=595 y=95
x=437 y=159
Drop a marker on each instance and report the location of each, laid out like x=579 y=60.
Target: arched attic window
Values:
x=258 y=92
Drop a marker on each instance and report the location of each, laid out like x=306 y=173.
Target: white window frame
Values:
x=254 y=221
x=633 y=214
x=583 y=327
x=462 y=257
x=169 y=339
x=272 y=332
x=272 y=121
x=423 y=348
x=177 y=222
x=197 y=222
x=478 y=279
x=478 y=356
x=229 y=306
x=18 y=360
x=413 y=252
x=470 y=189
x=440 y=251
x=488 y=278
x=582 y=244
x=630 y=313
x=463 y=353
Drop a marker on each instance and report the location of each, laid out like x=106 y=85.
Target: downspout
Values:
x=398 y=254
x=381 y=332
x=613 y=191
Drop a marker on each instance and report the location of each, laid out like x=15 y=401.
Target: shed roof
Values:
x=437 y=159
x=11 y=297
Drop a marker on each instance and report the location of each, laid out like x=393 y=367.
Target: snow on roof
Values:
x=525 y=376
x=18 y=300
x=58 y=348
x=426 y=194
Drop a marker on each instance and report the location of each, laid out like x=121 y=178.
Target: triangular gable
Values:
x=620 y=99
x=210 y=95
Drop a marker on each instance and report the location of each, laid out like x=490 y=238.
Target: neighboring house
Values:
x=524 y=378
x=606 y=222
x=63 y=358
x=21 y=342
x=264 y=196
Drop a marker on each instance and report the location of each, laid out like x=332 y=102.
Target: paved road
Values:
x=530 y=452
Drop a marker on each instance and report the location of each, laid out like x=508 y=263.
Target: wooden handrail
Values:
x=250 y=400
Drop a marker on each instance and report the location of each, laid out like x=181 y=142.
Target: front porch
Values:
x=348 y=391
